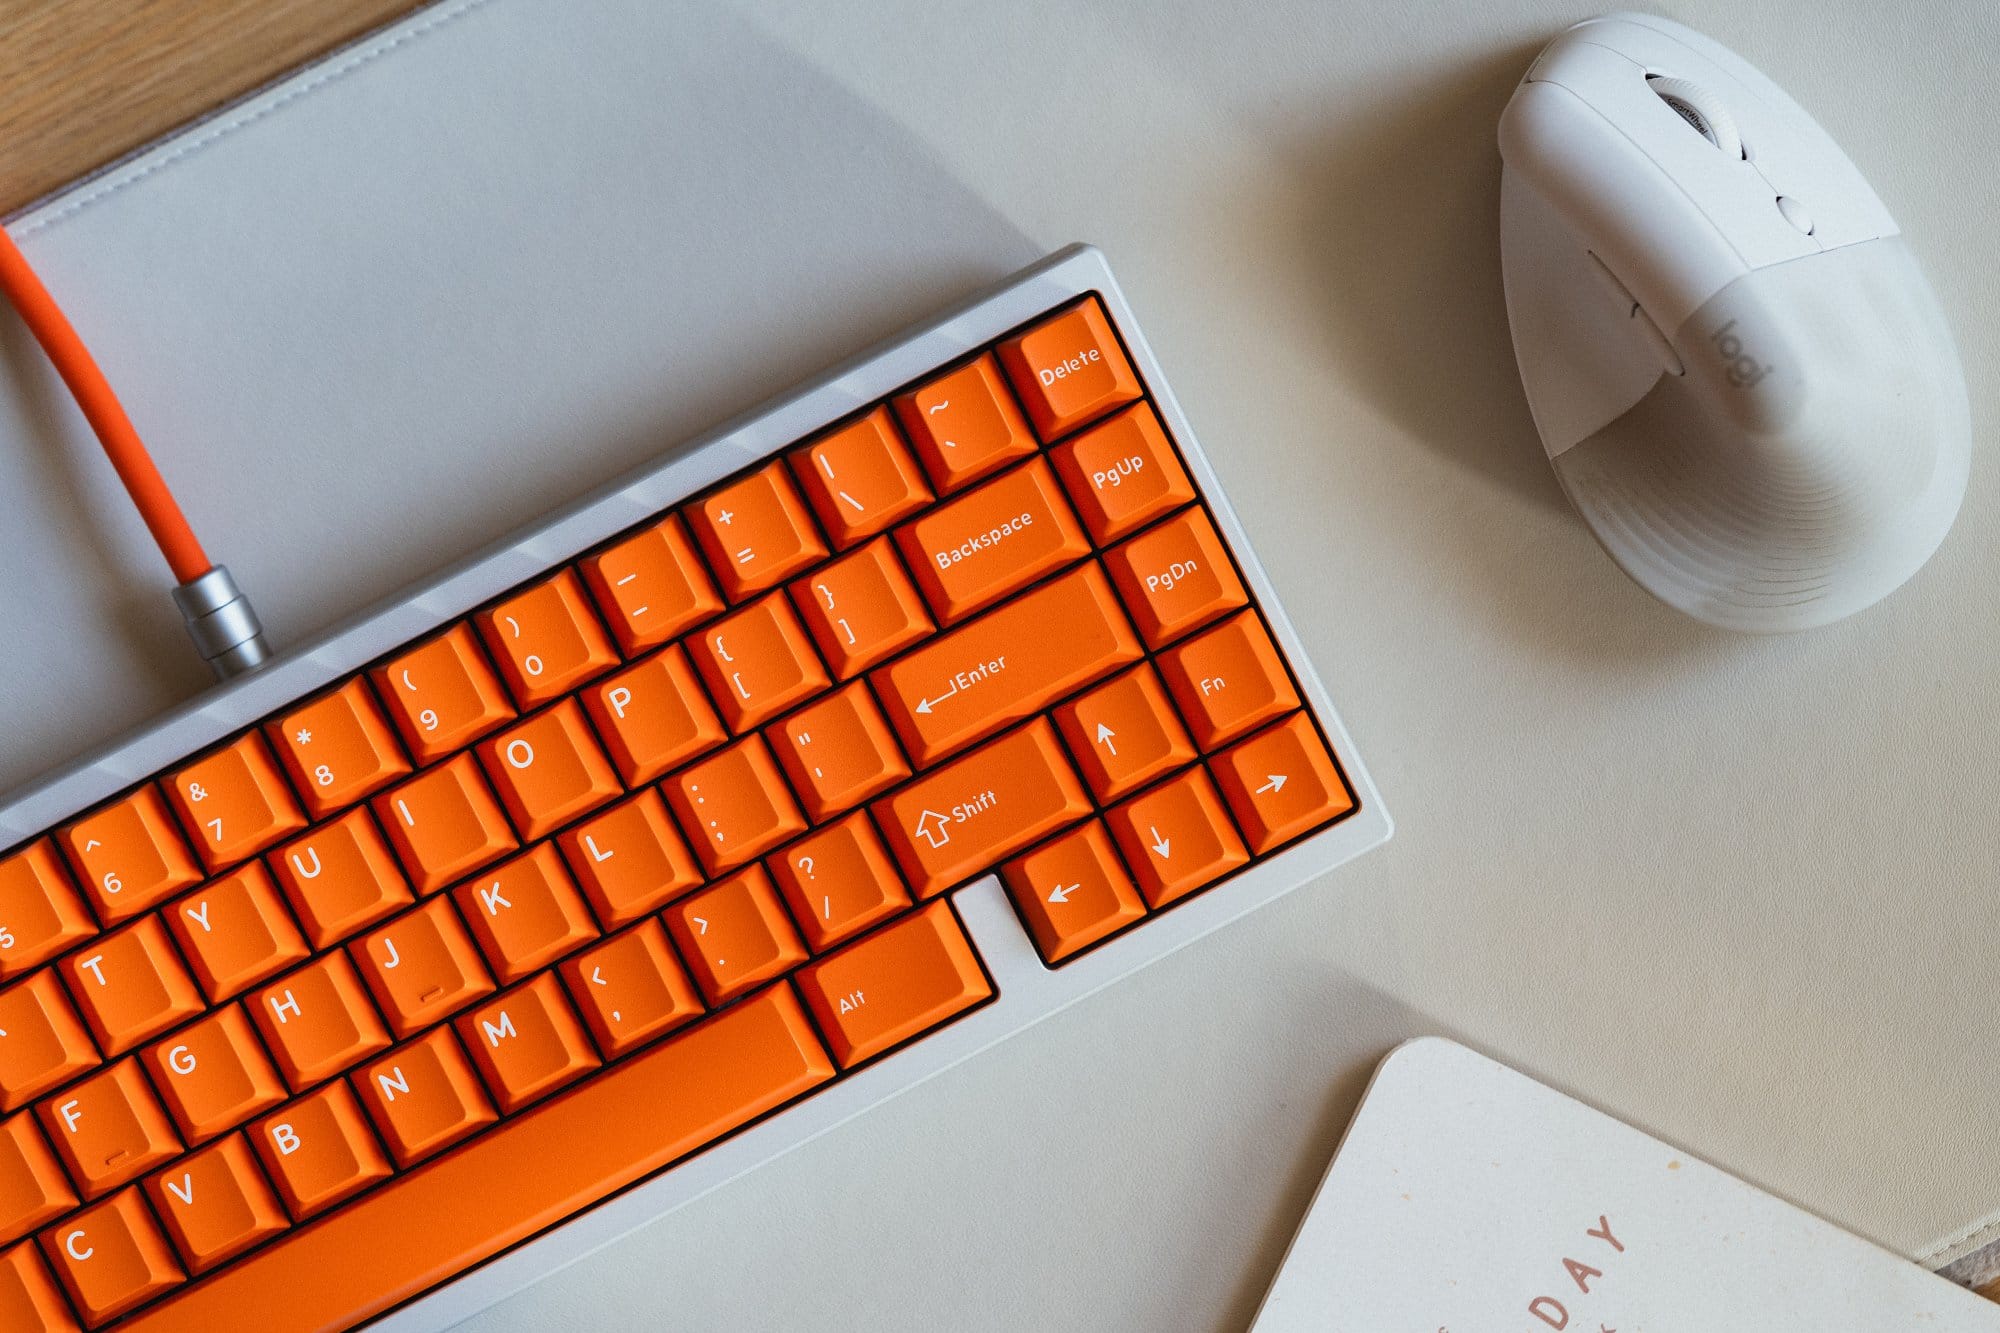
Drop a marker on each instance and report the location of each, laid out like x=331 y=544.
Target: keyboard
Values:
x=719 y=807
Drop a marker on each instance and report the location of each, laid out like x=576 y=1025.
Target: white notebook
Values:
x=1467 y=1197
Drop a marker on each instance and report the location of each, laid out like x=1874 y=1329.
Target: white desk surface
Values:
x=1738 y=891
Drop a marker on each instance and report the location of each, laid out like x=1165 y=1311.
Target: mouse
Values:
x=1742 y=378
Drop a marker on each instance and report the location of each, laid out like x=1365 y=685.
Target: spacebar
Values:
x=519 y=1178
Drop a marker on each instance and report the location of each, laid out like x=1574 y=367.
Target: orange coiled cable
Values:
x=106 y=415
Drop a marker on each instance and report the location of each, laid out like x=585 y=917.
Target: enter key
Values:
x=1009 y=664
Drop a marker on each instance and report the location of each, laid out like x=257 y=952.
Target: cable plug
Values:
x=222 y=623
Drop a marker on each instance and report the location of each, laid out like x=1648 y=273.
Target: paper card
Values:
x=1467 y=1197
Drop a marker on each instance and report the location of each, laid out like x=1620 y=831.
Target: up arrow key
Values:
x=1104 y=735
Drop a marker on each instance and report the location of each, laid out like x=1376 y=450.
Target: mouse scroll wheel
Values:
x=1701 y=109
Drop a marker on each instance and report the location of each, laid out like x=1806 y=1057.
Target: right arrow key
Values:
x=1281 y=783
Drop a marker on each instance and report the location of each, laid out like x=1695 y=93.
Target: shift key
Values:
x=953 y=824
x=1009 y=664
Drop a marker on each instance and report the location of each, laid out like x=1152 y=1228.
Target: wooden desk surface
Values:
x=85 y=82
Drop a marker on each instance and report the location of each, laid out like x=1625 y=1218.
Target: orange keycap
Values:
x=1008 y=664
x=1177 y=838
x=108 y=1128
x=30 y=1301
x=547 y=640
x=1072 y=891
x=424 y=1097
x=755 y=532
x=40 y=914
x=861 y=608
x=338 y=748
x=1281 y=783
x=757 y=663
x=234 y=932
x=1175 y=577
x=235 y=802
x=319 y=1151
x=421 y=967
x=651 y=586
x=839 y=881
x=111 y=1257
x=45 y=1044
x=33 y=1189
x=734 y=806
x=1124 y=733
x=527 y=1043
x=838 y=752
x=214 y=1075
x=630 y=860
x=513 y=1181
x=130 y=985
x=341 y=877
x=899 y=982
x=1228 y=680
x=1069 y=369
x=215 y=1204
x=964 y=424
x=735 y=936
x=1122 y=474
x=860 y=478
x=129 y=856
x=631 y=988
x=992 y=541
x=445 y=823
x=317 y=1021
x=442 y=695
x=548 y=770
x=526 y=913
x=653 y=716
x=980 y=808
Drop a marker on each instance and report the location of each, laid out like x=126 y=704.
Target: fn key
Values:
x=890 y=986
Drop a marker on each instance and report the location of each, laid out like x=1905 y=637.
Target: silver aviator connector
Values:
x=222 y=623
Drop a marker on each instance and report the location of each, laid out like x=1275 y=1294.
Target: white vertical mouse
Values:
x=1741 y=376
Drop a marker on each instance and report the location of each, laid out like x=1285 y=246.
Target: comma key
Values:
x=980 y=808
